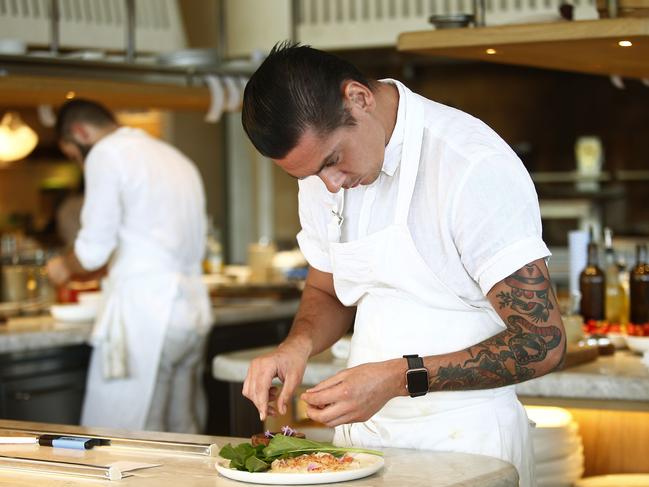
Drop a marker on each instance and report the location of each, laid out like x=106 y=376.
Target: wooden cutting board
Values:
x=576 y=354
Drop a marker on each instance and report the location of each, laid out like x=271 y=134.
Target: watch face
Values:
x=418 y=381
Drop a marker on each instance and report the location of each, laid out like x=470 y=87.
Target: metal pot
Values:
x=14 y=282
x=21 y=282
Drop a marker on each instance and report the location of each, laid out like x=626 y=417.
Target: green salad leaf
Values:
x=243 y=456
x=282 y=445
x=258 y=459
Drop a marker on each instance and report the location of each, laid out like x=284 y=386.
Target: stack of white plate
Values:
x=617 y=480
x=558 y=449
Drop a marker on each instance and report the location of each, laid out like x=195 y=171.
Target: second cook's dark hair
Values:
x=81 y=110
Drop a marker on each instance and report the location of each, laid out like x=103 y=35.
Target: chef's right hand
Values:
x=287 y=363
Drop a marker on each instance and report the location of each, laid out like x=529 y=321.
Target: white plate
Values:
x=369 y=464
x=638 y=344
x=616 y=480
x=73 y=313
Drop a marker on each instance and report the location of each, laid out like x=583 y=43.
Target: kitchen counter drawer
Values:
x=46 y=385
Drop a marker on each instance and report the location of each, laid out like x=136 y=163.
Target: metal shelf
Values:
x=34 y=80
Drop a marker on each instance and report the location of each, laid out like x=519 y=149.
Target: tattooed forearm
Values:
x=532 y=345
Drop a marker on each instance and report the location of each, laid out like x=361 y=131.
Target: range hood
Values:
x=164 y=79
x=617 y=46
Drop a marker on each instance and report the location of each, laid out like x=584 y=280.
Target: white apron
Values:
x=403 y=308
x=129 y=334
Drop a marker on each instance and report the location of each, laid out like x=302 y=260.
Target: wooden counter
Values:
x=402 y=467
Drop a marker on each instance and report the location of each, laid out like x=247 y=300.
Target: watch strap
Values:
x=414 y=361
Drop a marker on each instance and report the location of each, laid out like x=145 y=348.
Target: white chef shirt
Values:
x=141 y=190
x=474 y=215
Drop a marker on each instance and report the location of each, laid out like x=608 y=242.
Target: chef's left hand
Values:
x=58 y=271
x=356 y=394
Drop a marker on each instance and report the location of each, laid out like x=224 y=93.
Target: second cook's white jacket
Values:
x=145 y=206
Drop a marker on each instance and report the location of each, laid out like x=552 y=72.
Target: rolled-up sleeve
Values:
x=497 y=226
x=101 y=213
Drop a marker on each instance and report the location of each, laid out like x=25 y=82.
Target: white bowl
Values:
x=638 y=344
x=91 y=298
x=73 y=313
x=617 y=339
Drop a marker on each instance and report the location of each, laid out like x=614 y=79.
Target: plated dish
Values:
x=367 y=464
x=288 y=458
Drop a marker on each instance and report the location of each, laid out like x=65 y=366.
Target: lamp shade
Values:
x=17 y=139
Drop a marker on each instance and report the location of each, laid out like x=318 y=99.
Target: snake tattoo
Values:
x=509 y=357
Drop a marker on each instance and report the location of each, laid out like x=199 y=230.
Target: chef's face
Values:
x=346 y=157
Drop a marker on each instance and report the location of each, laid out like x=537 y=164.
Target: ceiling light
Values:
x=490 y=51
x=625 y=43
x=70 y=94
x=17 y=139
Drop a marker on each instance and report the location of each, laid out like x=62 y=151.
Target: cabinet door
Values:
x=51 y=398
x=229 y=414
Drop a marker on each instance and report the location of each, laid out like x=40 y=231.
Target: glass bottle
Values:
x=213 y=261
x=639 y=289
x=614 y=305
x=591 y=285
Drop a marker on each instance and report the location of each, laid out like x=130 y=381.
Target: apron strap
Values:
x=411 y=152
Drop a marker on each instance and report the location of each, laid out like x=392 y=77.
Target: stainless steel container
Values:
x=14 y=282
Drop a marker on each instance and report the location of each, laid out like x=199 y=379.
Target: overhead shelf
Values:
x=586 y=46
x=32 y=81
x=33 y=91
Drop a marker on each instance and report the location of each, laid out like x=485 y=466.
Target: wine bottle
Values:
x=591 y=285
x=639 y=293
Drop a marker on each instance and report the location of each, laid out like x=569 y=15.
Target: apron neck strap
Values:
x=410 y=154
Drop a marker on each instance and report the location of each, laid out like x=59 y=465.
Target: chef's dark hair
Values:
x=80 y=110
x=295 y=88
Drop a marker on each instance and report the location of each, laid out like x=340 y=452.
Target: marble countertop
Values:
x=27 y=333
x=414 y=468
x=254 y=310
x=618 y=377
x=621 y=376
x=37 y=332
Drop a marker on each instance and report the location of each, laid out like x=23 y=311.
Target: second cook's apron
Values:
x=403 y=308
x=143 y=284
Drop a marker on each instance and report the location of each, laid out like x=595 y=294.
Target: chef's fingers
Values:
x=326 y=396
x=330 y=382
x=257 y=386
x=291 y=381
x=271 y=410
x=272 y=394
x=329 y=414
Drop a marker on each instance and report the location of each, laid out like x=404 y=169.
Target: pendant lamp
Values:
x=17 y=139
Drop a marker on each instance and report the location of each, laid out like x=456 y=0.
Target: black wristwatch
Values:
x=416 y=376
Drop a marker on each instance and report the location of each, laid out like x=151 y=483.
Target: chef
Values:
x=144 y=214
x=422 y=228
